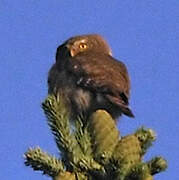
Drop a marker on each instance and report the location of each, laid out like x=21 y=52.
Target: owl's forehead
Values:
x=89 y=38
x=77 y=40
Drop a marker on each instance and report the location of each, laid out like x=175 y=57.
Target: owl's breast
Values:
x=82 y=99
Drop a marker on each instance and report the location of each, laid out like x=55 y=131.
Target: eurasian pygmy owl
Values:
x=89 y=77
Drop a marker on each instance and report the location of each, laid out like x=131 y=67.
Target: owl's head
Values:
x=86 y=43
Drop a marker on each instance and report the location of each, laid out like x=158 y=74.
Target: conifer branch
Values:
x=93 y=150
x=65 y=176
x=58 y=120
x=145 y=137
x=73 y=146
x=157 y=165
x=83 y=138
x=139 y=172
x=41 y=161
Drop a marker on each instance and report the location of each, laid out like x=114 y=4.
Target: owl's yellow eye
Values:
x=83 y=46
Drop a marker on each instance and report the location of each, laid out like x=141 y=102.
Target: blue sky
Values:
x=143 y=34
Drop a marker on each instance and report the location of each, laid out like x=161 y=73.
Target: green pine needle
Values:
x=41 y=161
x=93 y=149
x=58 y=120
x=157 y=165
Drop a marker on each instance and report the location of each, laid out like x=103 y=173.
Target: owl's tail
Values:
x=123 y=105
x=127 y=111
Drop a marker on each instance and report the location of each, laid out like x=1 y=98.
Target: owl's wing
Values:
x=103 y=74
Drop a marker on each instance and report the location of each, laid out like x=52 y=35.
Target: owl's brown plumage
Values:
x=89 y=77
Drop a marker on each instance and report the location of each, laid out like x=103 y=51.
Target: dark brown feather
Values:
x=90 y=79
x=106 y=75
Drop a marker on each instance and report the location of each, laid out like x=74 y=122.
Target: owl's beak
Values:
x=72 y=49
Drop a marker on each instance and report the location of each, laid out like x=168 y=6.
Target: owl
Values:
x=89 y=78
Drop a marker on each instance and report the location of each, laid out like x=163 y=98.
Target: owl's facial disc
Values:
x=77 y=47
